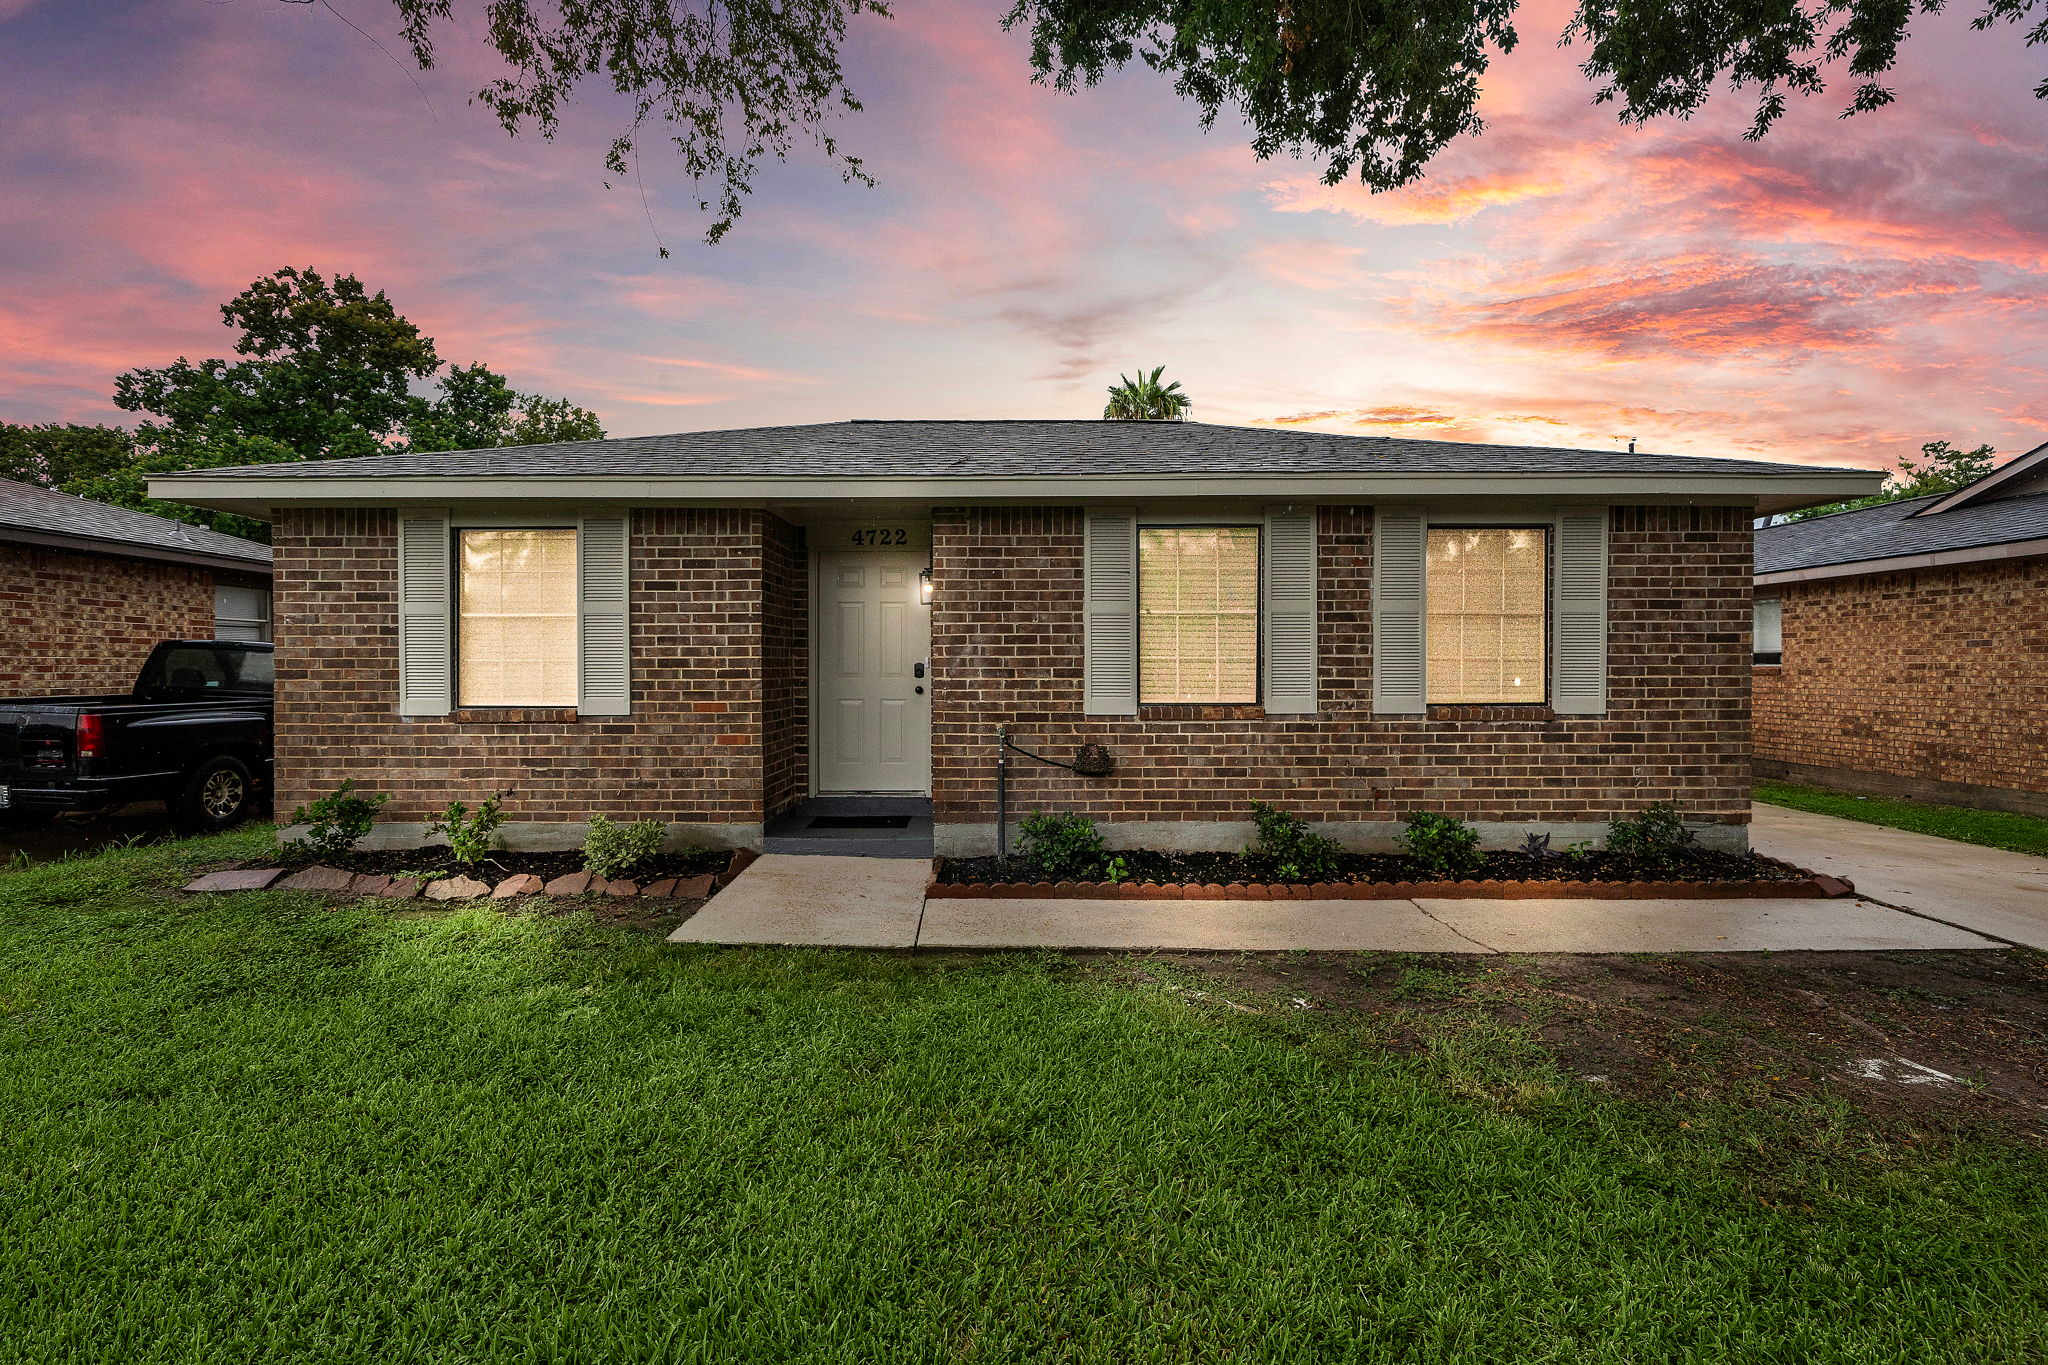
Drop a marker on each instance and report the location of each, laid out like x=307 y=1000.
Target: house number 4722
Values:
x=881 y=535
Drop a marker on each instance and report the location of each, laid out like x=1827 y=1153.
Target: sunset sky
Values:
x=1839 y=293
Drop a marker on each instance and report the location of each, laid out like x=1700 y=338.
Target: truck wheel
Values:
x=215 y=796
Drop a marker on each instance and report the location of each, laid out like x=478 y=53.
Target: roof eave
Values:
x=127 y=549
x=256 y=497
x=2014 y=468
x=1931 y=559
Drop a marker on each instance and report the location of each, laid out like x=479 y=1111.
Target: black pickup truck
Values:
x=195 y=734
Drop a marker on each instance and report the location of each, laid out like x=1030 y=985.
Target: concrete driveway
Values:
x=1985 y=889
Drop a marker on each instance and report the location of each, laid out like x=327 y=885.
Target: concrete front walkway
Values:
x=1986 y=889
x=824 y=901
x=879 y=903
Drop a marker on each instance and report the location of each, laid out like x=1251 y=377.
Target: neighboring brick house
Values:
x=86 y=590
x=735 y=631
x=1902 y=649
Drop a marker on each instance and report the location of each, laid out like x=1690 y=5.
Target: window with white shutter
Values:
x=1290 y=611
x=426 y=661
x=604 y=625
x=1397 y=611
x=1579 y=666
x=1109 y=608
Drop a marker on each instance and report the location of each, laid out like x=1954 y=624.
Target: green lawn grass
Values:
x=1991 y=828
x=256 y=1128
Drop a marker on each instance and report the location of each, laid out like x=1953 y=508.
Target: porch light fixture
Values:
x=924 y=586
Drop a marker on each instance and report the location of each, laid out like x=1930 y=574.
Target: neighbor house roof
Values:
x=1996 y=517
x=997 y=459
x=41 y=516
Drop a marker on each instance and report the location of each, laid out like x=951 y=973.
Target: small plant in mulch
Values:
x=1443 y=845
x=614 y=850
x=336 y=822
x=1293 y=851
x=1656 y=843
x=469 y=836
x=1065 y=846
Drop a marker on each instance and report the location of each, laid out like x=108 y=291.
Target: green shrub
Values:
x=1066 y=846
x=1656 y=841
x=470 y=837
x=1294 y=851
x=336 y=821
x=613 y=850
x=1445 y=845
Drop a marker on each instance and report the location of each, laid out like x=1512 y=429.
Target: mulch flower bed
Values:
x=1391 y=876
x=502 y=862
x=406 y=874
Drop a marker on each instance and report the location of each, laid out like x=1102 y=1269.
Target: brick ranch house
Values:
x=88 y=589
x=716 y=629
x=1902 y=649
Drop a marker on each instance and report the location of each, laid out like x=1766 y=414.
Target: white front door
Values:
x=874 y=700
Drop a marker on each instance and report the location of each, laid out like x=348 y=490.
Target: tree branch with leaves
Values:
x=1371 y=88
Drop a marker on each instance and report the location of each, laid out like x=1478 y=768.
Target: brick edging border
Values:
x=1814 y=887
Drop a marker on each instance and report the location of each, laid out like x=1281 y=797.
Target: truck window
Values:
x=258 y=669
x=194 y=669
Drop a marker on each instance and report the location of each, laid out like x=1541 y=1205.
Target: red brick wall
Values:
x=691 y=752
x=1006 y=645
x=1938 y=676
x=786 y=665
x=85 y=622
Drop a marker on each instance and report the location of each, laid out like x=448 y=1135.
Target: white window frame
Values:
x=1758 y=655
x=1210 y=522
x=493 y=521
x=1545 y=528
x=263 y=624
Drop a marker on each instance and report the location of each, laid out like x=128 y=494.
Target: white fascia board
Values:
x=255 y=496
x=1935 y=559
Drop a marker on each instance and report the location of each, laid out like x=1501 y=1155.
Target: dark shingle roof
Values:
x=24 y=507
x=1890 y=529
x=1030 y=449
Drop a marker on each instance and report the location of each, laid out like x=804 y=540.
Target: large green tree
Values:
x=1942 y=468
x=477 y=409
x=326 y=370
x=54 y=454
x=1372 y=87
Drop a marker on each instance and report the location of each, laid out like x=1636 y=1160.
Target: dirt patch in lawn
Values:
x=1913 y=1042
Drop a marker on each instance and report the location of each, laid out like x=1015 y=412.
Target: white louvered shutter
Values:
x=1109 y=608
x=604 y=665
x=1580 y=683
x=1399 y=568
x=426 y=657
x=1288 y=614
